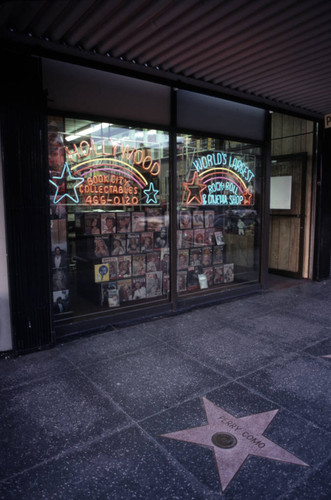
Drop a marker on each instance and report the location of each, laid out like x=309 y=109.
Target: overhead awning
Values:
x=274 y=53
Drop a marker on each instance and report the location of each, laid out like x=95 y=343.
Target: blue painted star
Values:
x=66 y=174
x=151 y=193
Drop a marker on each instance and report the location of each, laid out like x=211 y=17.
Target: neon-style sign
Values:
x=65 y=175
x=151 y=193
x=224 y=159
x=194 y=189
x=137 y=156
x=105 y=180
x=247 y=197
x=110 y=181
x=112 y=165
x=219 y=179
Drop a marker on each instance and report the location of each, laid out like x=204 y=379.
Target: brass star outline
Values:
x=195 y=184
x=248 y=434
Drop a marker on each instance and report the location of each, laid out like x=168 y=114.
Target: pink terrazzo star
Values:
x=240 y=437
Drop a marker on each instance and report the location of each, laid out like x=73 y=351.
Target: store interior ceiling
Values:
x=78 y=129
x=275 y=53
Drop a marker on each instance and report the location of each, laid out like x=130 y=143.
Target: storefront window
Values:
x=218 y=232
x=109 y=206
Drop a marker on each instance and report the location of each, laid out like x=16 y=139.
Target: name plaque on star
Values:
x=221 y=179
x=118 y=176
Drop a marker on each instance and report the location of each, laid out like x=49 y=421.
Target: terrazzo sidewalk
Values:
x=89 y=418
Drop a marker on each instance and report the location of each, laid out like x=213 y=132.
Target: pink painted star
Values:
x=239 y=438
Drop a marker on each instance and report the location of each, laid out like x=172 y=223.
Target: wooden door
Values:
x=287 y=214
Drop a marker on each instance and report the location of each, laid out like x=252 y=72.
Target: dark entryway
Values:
x=287 y=215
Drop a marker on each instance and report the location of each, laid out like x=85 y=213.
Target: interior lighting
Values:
x=87 y=131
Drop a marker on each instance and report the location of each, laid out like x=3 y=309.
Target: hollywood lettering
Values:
x=245 y=434
x=135 y=156
x=114 y=174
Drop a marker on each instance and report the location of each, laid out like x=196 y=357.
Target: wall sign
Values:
x=327 y=121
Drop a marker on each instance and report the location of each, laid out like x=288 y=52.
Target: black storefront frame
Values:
x=322 y=247
x=28 y=336
x=23 y=128
x=166 y=307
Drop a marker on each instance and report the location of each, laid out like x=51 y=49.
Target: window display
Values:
x=218 y=213
x=109 y=205
x=109 y=215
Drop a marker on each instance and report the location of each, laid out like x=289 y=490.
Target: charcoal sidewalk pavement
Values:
x=87 y=418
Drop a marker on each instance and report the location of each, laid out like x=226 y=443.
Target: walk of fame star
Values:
x=234 y=439
x=66 y=174
x=151 y=193
x=194 y=188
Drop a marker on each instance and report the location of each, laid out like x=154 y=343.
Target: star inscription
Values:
x=151 y=193
x=66 y=174
x=234 y=439
x=194 y=188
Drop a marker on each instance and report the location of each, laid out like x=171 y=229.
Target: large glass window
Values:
x=109 y=205
x=109 y=211
x=218 y=234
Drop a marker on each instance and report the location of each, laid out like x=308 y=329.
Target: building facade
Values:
x=125 y=198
